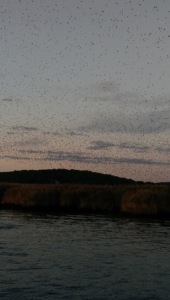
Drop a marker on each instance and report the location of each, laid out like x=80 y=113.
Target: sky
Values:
x=86 y=85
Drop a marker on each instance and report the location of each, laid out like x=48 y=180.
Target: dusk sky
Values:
x=86 y=85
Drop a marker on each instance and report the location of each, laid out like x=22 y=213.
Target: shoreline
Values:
x=66 y=211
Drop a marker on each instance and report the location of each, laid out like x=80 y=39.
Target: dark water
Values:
x=83 y=257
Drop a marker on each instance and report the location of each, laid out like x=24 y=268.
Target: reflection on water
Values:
x=45 y=256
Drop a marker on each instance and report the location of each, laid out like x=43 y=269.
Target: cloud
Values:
x=10 y=132
x=100 y=145
x=126 y=111
x=13 y=157
x=10 y=100
x=140 y=161
x=73 y=133
x=106 y=86
x=7 y=100
x=80 y=157
x=28 y=151
x=67 y=156
x=53 y=133
x=83 y=158
x=135 y=147
x=24 y=128
x=161 y=149
x=125 y=122
x=118 y=97
x=35 y=141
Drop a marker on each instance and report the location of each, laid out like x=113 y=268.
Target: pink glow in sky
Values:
x=85 y=85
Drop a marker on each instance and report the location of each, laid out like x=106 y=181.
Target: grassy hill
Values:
x=62 y=176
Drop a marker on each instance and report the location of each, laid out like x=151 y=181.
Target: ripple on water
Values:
x=45 y=256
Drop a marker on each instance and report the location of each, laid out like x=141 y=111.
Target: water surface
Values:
x=45 y=256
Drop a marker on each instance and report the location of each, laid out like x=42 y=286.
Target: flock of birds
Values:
x=85 y=84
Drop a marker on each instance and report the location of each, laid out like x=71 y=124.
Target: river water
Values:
x=47 y=256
